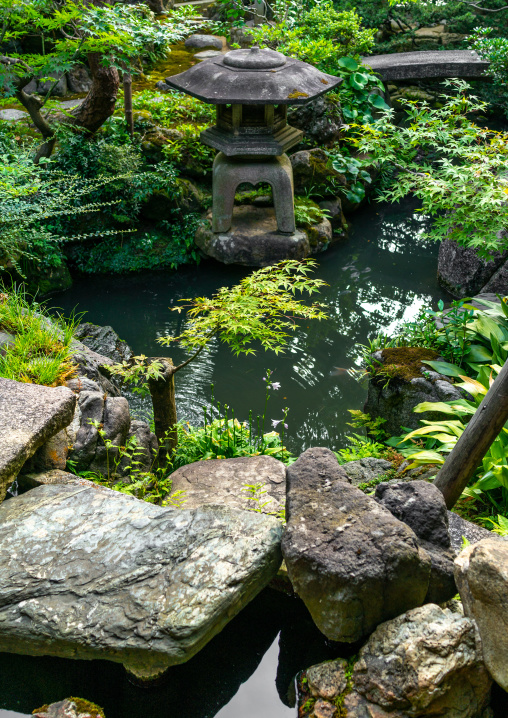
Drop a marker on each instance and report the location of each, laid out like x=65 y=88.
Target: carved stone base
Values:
x=253 y=240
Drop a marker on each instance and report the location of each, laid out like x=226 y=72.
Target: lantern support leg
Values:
x=230 y=172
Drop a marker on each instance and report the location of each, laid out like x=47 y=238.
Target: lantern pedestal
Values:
x=254 y=241
x=230 y=172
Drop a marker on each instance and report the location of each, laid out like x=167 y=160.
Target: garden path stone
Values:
x=200 y=42
x=223 y=481
x=29 y=416
x=482 y=577
x=427 y=64
x=349 y=559
x=88 y=575
x=11 y=115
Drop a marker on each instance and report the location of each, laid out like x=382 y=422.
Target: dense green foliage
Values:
x=455 y=167
x=70 y=29
x=260 y=309
x=476 y=343
x=319 y=36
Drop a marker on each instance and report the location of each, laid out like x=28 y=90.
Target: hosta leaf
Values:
x=348 y=63
x=443 y=367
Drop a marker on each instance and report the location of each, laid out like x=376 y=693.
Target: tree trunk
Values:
x=481 y=431
x=100 y=102
x=162 y=392
x=33 y=106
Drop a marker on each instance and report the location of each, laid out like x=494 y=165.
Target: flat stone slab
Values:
x=88 y=575
x=254 y=241
x=29 y=415
x=428 y=64
x=226 y=482
x=11 y=115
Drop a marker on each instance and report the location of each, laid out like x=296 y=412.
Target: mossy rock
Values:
x=403 y=363
x=313 y=173
x=70 y=708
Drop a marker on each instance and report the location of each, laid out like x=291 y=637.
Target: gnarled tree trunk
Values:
x=100 y=102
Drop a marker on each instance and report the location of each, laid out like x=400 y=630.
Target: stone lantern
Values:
x=252 y=89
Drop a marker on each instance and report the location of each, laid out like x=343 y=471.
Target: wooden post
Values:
x=127 y=101
x=162 y=392
x=481 y=431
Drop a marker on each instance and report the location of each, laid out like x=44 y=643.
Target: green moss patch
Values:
x=404 y=363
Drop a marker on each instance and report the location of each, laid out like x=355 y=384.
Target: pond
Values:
x=376 y=279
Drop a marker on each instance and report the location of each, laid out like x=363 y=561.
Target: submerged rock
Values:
x=349 y=559
x=29 y=416
x=482 y=577
x=90 y=574
x=227 y=481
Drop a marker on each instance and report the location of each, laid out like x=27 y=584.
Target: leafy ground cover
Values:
x=40 y=350
x=475 y=343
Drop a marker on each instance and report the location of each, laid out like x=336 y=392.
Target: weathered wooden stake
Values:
x=162 y=392
x=127 y=101
x=481 y=431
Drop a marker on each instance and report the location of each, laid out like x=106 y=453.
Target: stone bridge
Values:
x=428 y=64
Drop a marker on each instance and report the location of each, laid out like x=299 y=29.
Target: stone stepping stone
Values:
x=88 y=574
x=12 y=115
x=224 y=481
x=29 y=416
x=207 y=54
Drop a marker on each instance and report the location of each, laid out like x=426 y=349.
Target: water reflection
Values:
x=378 y=278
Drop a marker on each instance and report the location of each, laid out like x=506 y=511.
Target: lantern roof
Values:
x=254 y=77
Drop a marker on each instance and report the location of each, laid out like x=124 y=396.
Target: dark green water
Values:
x=378 y=278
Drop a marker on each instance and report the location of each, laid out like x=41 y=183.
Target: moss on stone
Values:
x=84 y=706
x=404 y=363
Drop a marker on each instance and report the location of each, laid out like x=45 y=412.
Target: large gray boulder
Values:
x=427 y=662
x=29 y=415
x=349 y=559
x=93 y=574
x=460 y=529
x=482 y=578
x=226 y=482
x=422 y=507
x=462 y=272
x=498 y=283
x=320 y=120
x=103 y=340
